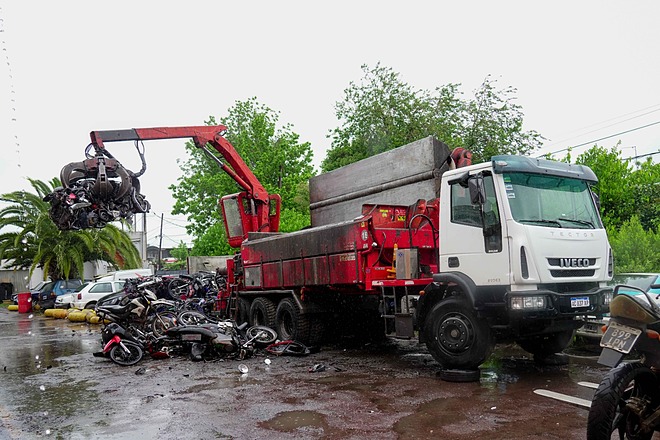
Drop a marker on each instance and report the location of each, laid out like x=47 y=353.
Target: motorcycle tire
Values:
x=191 y=317
x=163 y=321
x=177 y=288
x=261 y=335
x=129 y=354
x=608 y=415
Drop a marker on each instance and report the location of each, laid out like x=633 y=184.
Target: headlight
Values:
x=607 y=297
x=528 y=302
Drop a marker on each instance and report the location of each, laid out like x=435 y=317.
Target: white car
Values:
x=87 y=297
x=64 y=301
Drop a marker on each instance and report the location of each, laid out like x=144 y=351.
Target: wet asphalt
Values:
x=53 y=387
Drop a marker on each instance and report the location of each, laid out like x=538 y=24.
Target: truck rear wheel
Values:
x=262 y=312
x=455 y=336
x=293 y=325
x=544 y=345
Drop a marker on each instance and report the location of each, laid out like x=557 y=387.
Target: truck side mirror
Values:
x=476 y=188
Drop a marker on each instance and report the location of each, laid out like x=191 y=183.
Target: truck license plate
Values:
x=580 y=301
x=620 y=337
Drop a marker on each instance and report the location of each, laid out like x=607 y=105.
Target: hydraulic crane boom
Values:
x=90 y=191
x=201 y=136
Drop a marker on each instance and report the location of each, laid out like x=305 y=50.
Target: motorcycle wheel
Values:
x=177 y=287
x=263 y=336
x=129 y=354
x=163 y=321
x=609 y=415
x=191 y=317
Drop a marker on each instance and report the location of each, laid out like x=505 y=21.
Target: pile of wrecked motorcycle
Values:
x=137 y=323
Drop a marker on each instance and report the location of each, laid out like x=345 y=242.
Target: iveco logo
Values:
x=574 y=262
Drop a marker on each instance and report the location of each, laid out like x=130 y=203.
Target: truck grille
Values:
x=572 y=267
x=564 y=273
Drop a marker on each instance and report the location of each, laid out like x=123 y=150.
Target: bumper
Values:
x=592 y=328
x=548 y=304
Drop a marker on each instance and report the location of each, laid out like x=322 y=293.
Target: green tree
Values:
x=614 y=181
x=274 y=154
x=382 y=112
x=30 y=239
x=181 y=254
x=645 y=193
x=492 y=124
x=635 y=249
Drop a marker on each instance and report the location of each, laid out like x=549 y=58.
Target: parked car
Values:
x=52 y=290
x=36 y=289
x=65 y=301
x=33 y=290
x=593 y=328
x=125 y=274
x=87 y=297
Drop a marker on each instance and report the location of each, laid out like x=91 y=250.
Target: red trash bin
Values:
x=24 y=302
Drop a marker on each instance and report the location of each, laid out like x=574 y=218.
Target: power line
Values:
x=169 y=220
x=601 y=139
x=643 y=155
x=613 y=119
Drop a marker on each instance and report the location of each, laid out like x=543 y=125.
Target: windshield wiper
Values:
x=579 y=222
x=543 y=221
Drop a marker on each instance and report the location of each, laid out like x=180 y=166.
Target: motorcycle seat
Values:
x=190 y=329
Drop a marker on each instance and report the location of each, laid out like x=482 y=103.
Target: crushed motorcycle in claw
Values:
x=96 y=191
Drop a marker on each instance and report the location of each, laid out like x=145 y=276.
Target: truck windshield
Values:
x=551 y=201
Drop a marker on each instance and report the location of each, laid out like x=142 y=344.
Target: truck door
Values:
x=471 y=231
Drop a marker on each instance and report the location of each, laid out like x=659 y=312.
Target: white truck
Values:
x=522 y=252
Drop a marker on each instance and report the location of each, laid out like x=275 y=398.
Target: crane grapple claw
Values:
x=95 y=192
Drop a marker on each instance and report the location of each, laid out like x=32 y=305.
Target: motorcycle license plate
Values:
x=580 y=301
x=620 y=337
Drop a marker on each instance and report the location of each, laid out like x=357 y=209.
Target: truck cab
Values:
x=522 y=247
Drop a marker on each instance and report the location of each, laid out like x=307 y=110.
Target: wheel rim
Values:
x=626 y=419
x=455 y=333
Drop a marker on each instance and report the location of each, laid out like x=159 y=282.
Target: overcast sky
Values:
x=584 y=71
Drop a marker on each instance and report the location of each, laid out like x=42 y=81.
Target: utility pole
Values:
x=144 y=240
x=160 y=244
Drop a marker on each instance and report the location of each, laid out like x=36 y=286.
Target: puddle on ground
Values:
x=290 y=421
x=430 y=418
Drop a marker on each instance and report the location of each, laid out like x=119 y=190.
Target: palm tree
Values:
x=30 y=239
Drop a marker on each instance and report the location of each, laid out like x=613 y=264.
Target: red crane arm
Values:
x=201 y=135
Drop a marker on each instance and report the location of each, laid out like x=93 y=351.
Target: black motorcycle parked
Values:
x=627 y=400
x=222 y=339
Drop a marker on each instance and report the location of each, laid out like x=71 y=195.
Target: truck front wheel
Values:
x=455 y=336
